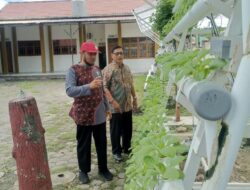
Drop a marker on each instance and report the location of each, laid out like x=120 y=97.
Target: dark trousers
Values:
x=83 y=136
x=121 y=129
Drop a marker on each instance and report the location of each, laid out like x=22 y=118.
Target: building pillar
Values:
x=4 y=52
x=15 y=49
x=119 y=29
x=42 y=46
x=51 y=51
x=82 y=33
x=156 y=48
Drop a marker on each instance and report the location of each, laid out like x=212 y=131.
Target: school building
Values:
x=45 y=36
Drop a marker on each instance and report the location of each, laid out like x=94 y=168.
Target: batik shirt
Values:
x=77 y=91
x=119 y=81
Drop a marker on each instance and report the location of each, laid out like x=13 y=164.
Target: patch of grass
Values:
x=52 y=130
x=67 y=136
x=62 y=169
x=55 y=146
x=27 y=85
x=139 y=86
x=183 y=111
x=35 y=91
x=54 y=109
x=59 y=109
x=4 y=147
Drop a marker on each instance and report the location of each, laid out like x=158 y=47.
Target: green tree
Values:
x=162 y=15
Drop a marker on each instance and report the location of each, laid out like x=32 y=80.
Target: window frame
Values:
x=69 y=49
x=28 y=46
x=129 y=42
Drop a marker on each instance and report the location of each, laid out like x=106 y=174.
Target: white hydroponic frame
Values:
x=205 y=138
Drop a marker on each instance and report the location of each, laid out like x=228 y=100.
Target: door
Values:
x=112 y=42
x=102 y=57
x=9 y=56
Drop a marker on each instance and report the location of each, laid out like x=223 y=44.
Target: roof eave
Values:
x=91 y=19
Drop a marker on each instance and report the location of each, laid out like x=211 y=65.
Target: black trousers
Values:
x=121 y=130
x=83 y=136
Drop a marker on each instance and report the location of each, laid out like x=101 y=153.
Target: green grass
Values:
x=183 y=111
x=62 y=169
x=28 y=85
x=139 y=86
x=67 y=136
x=52 y=130
x=56 y=145
x=139 y=81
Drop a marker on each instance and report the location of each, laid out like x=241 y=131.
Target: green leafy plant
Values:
x=164 y=19
x=162 y=15
x=195 y=64
x=184 y=6
x=155 y=154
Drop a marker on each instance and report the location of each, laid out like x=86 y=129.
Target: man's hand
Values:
x=109 y=115
x=116 y=107
x=97 y=83
x=135 y=104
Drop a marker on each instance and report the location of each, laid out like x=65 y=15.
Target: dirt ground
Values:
x=241 y=171
x=54 y=106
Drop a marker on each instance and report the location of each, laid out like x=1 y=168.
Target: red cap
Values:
x=89 y=47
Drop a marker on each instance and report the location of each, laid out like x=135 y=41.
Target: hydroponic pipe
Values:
x=200 y=9
x=236 y=119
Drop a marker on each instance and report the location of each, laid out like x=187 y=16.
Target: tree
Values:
x=162 y=15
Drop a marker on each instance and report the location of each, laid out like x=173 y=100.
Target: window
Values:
x=112 y=42
x=131 y=46
x=29 y=48
x=134 y=48
x=147 y=47
x=64 y=47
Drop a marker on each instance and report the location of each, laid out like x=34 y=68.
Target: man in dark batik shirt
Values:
x=120 y=92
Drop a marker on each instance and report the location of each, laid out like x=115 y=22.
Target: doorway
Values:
x=102 y=57
x=9 y=57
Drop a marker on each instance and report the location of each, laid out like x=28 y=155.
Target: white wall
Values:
x=136 y=65
x=29 y=63
x=63 y=62
x=139 y=65
x=100 y=32
x=111 y=30
x=129 y=30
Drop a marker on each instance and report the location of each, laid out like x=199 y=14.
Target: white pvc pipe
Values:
x=239 y=114
x=197 y=12
x=200 y=9
x=186 y=85
x=236 y=121
x=246 y=26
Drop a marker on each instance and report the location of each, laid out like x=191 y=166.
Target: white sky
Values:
x=2 y=4
x=220 y=21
